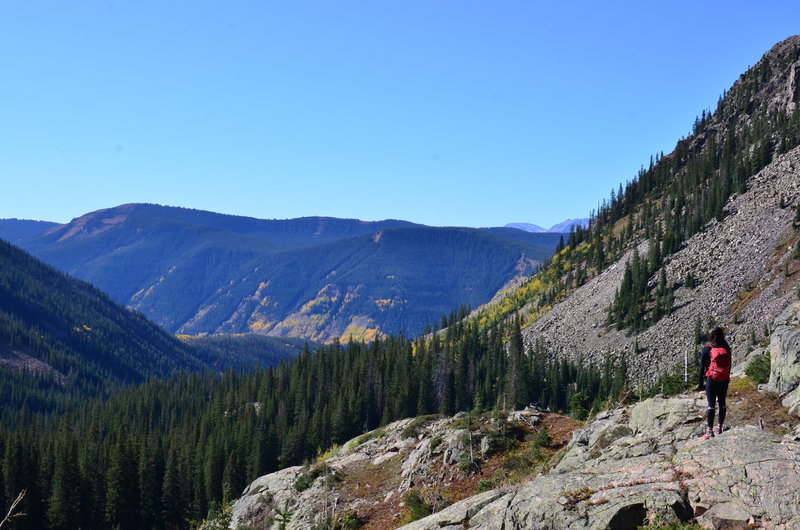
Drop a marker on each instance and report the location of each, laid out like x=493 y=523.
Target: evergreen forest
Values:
x=169 y=452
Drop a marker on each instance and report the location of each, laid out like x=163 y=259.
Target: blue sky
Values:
x=469 y=113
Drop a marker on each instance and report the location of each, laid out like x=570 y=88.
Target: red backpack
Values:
x=719 y=369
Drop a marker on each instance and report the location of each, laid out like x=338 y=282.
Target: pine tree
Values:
x=122 y=485
x=173 y=502
x=63 y=510
x=516 y=388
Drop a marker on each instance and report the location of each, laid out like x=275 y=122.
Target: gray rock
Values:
x=784 y=348
x=733 y=515
x=486 y=447
x=647 y=462
x=454 y=445
x=457 y=514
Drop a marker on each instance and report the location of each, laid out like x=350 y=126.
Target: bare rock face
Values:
x=784 y=349
x=647 y=463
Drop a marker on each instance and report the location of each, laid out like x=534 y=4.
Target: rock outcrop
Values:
x=369 y=475
x=646 y=463
x=784 y=350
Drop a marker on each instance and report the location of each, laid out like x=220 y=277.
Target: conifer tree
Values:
x=122 y=485
x=516 y=387
x=63 y=510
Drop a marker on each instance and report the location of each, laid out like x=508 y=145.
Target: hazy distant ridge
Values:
x=561 y=227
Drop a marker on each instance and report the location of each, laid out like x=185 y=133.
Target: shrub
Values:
x=519 y=463
x=309 y=476
x=470 y=465
x=758 y=370
x=543 y=438
x=349 y=520
x=485 y=485
x=436 y=441
x=416 y=505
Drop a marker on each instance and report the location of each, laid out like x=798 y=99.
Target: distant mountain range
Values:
x=562 y=227
x=197 y=272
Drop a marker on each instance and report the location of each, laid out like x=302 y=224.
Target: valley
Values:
x=171 y=368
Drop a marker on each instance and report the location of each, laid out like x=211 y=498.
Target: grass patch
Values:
x=327 y=454
x=741 y=384
x=748 y=406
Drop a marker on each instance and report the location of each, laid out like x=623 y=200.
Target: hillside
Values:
x=704 y=235
x=196 y=272
x=59 y=334
x=745 y=271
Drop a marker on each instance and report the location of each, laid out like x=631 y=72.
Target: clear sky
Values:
x=470 y=113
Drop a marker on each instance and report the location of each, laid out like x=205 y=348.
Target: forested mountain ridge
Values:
x=61 y=334
x=705 y=234
x=196 y=272
x=62 y=339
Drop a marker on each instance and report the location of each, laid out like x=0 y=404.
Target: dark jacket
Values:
x=705 y=361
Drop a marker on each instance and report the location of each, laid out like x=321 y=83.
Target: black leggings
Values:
x=716 y=391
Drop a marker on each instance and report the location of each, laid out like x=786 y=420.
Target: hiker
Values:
x=715 y=369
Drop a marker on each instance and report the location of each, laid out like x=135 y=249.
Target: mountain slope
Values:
x=705 y=235
x=569 y=224
x=63 y=333
x=198 y=272
x=744 y=267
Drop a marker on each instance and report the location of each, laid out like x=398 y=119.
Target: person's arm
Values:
x=705 y=360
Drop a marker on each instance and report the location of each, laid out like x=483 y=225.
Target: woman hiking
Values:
x=715 y=367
